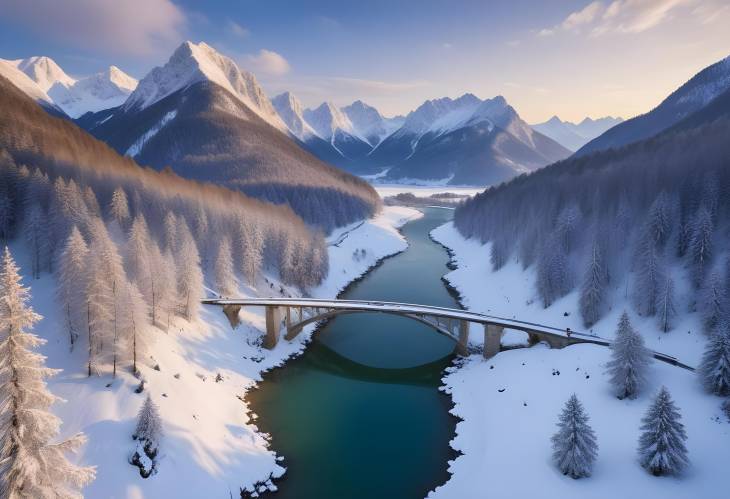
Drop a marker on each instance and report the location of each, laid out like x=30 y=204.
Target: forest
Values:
x=621 y=217
x=129 y=246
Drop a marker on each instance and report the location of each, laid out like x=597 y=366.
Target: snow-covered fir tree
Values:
x=666 y=309
x=649 y=274
x=225 y=276
x=574 y=445
x=119 y=207
x=190 y=276
x=36 y=237
x=170 y=231
x=149 y=424
x=30 y=465
x=712 y=301
x=72 y=278
x=132 y=340
x=252 y=248
x=714 y=370
x=700 y=246
x=593 y=290
x=630 y=360
x=662 y=448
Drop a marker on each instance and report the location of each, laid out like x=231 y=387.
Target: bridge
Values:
x=296 y=313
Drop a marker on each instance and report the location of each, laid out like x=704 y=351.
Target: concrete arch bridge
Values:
x=296 y=313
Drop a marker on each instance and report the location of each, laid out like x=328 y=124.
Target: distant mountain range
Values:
x=573 y=136
x=700 y=90
x=42 y=79
x=444 y=141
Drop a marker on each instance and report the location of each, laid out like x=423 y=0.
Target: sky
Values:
x=571 y=58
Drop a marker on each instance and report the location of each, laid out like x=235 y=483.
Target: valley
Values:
x=402 y=250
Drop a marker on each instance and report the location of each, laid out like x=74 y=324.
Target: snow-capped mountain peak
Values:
x=369 y=123
x=44 y=71
x=439 y=115
x=9 y=70
x=192 y=63
x=327 y=119
x=290 y=110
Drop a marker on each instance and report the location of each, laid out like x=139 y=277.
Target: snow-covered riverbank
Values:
x=198 y=377
x=510 y=403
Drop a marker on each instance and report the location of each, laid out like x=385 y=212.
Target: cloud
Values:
x=616 y=17
x=236 y=30
x=267 y=62
x=129 y=27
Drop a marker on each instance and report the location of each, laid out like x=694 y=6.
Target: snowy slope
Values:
x=505 y=435
x=211 y=446
x=369 y=123
x=573 y=136
x=103 y=90
x=327 y=119
x=290 y=110
x=9 y=70
x=192 y=63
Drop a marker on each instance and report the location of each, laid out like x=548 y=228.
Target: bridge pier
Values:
x=462 y=346
x=492 y=340
x=273 y=324
x=231 y=313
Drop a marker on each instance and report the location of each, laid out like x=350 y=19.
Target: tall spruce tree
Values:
x=30 y=465
x=630 y=360
x=661 y=446
x=714 y=369
x=574 y=445
x=72 y=284
x=593 y=291
x=225 y=276
x=712 y=301
x=666 y=309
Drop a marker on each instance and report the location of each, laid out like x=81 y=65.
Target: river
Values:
x=359 y=414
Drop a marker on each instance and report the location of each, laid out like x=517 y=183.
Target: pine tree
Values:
x=30 y=466
x=661 y=445
x=253 y=246
x=712 y=301
x=574 y=445
x=700 y=248
x=131 y=323
x=666 y=309
x=649 y=275
x=72 y=282
x=630 y=360
x=36 y=237
x=593 y=290
x=170 y=231
x=149 y=424
x=119 y=207
x=190 y=276
x=714 y=369
x=225 y=276
x=137 y=258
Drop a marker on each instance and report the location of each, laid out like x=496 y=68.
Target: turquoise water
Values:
x=359 y=414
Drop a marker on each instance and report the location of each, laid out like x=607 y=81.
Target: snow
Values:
x=192 y=63
x=328 y=119
x=290 y=110
x=211 y=446
x=138 y=144
x=103 y=90
x=423 y=191
x=9 y=70
x=506 y=435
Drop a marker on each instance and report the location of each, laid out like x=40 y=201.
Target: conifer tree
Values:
x=72 y=283
x=593 y=290
x=712 y=301
x=30 y=465
x=700 y=248
x=649 y=275
x=630 y=360
x=574 y=445
x=131 y=324
x=714 y=369
x=666 y=309
x=190 y=276
x=225 y=276
x=149 y=424
x=36 y=237
x=138 y=259
x=661 y=446
x=119 y=207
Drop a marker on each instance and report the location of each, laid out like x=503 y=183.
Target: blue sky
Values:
x=570 y=57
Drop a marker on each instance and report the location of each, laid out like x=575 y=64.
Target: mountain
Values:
x=206 y=119
x=334 y=126
x=369 y=123
x=29 y=87
x=103 y=90
x=464 y=141
x=690 y=97
x=573 y=136
x=191 y=64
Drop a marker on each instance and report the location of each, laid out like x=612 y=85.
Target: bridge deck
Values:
x=442 y=312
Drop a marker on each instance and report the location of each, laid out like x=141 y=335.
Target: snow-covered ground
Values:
x=211 y=446
x=509 y=404
x=422 y=190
